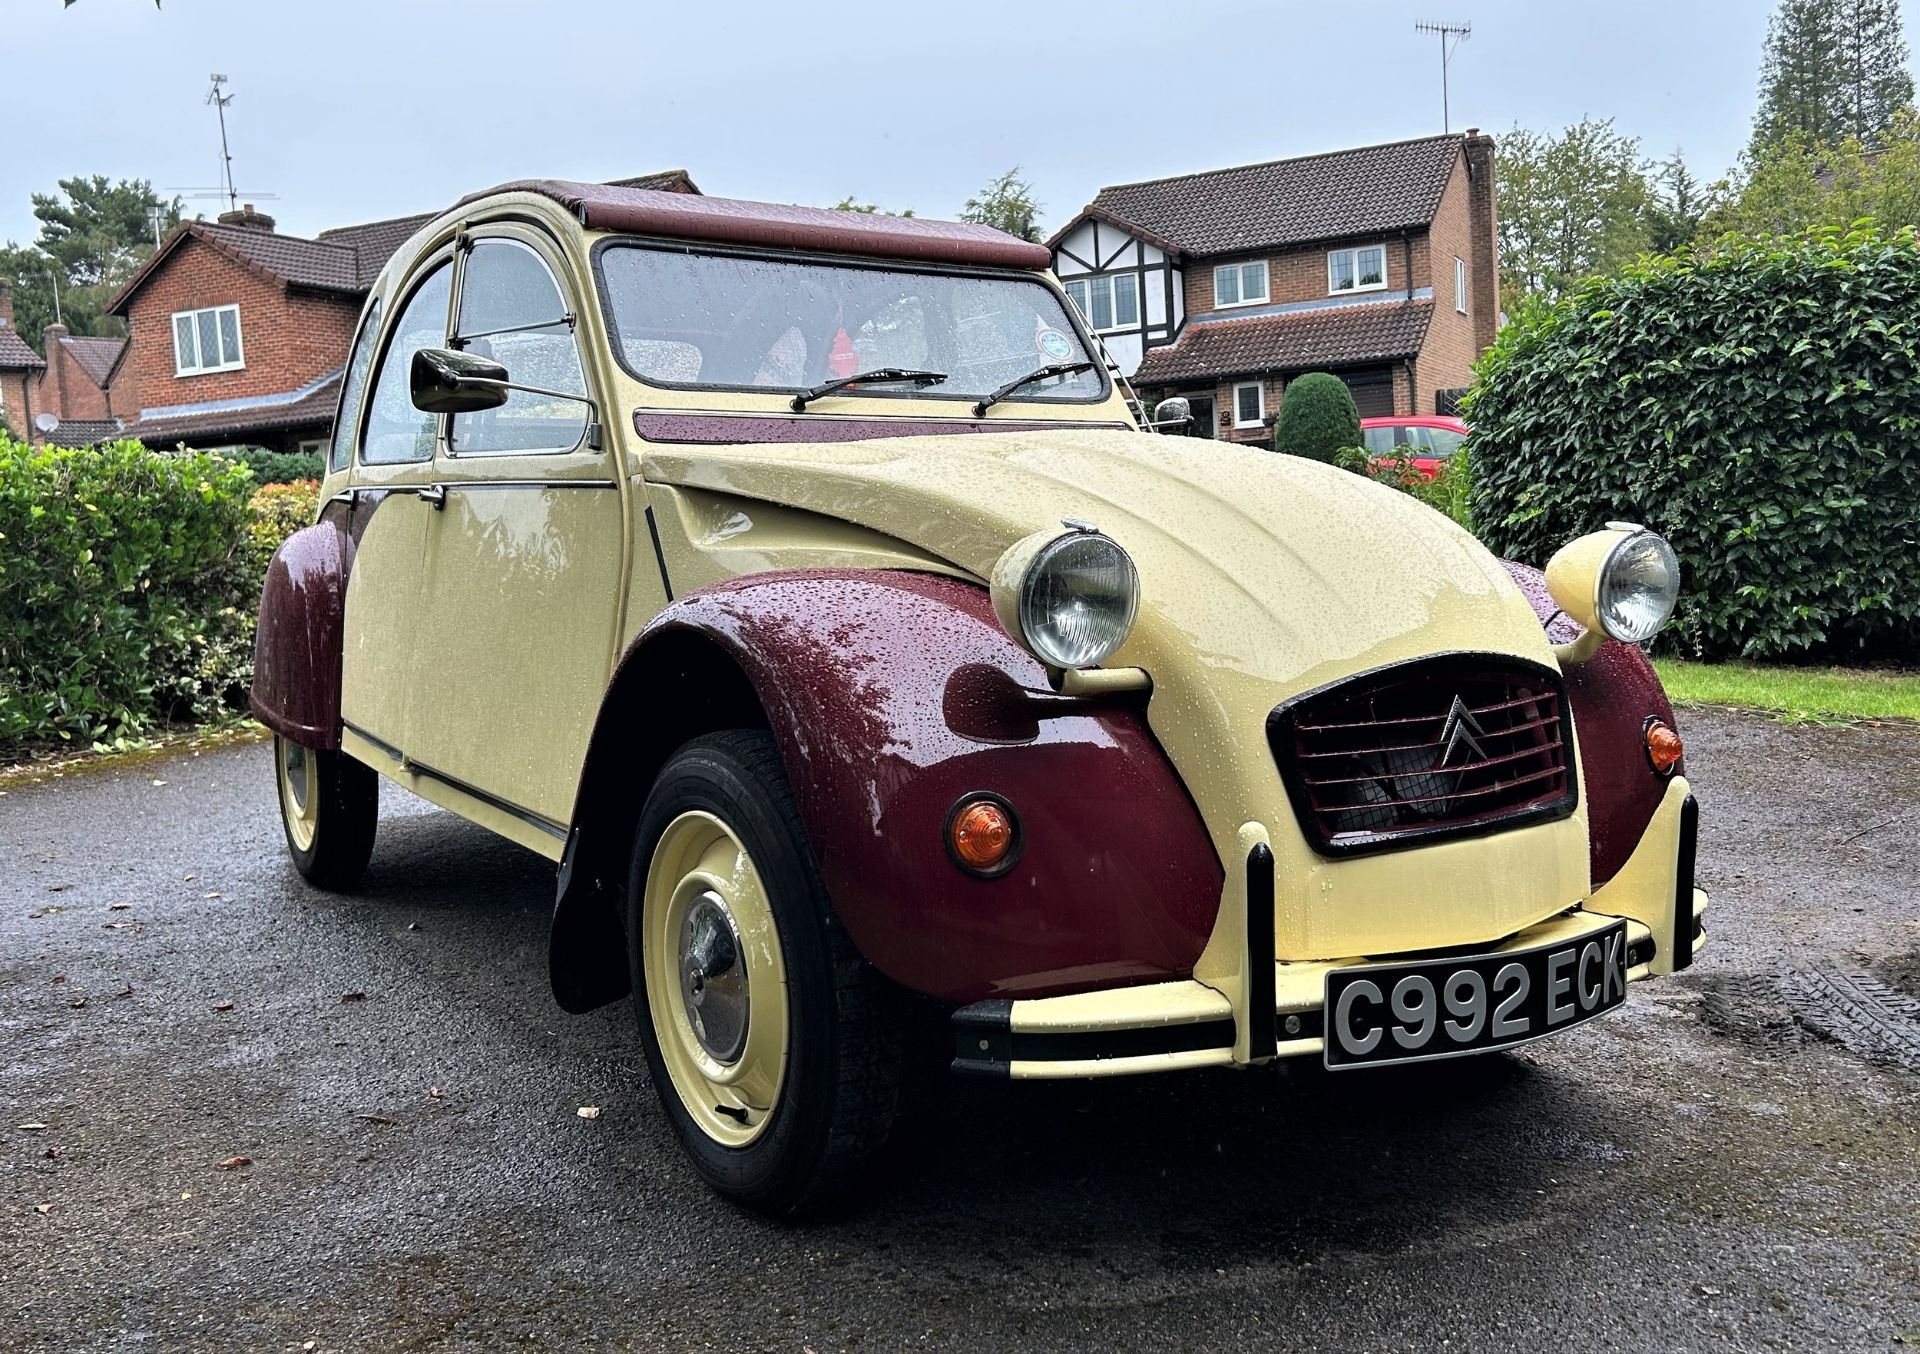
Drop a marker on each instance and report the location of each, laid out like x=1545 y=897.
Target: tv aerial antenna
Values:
x=224 y=189
x=1451 y=35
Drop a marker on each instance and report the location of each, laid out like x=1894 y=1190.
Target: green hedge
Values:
x=1758 y=404
x=279 y=467
x=129 y=582
x=1317 y=417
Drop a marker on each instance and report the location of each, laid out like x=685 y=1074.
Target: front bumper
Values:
x=1239 y=1015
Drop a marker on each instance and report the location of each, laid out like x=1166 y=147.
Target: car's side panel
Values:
x=1613 y=694
x=893 y=695
x=296 y=648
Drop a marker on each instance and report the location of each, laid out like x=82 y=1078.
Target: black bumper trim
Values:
x=1684 y=930
x=985 y=1044
x=1261 y=1039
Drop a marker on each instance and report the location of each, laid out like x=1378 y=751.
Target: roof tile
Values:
x=1329 y=336
x=1335 y=195
x=95 y=356
x=14 y=352
x=312 y=410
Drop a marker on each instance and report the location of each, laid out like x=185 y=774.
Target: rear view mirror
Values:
x=447 y=382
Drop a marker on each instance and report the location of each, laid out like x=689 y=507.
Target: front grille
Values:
x=1449 y=746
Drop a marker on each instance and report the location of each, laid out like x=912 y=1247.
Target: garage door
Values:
x=1372 y=391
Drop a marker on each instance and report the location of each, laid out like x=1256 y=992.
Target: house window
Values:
x=1362 y=269
x=1460 y=285
x=207 y=340
x=313 y=447
x=1249 y=405
x=1240 y=284
x=1108 y=302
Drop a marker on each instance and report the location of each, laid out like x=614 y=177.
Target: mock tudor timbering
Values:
x=1377 y=263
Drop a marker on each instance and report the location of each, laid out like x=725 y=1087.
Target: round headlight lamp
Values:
x=1069 y=597
x=1623 y=581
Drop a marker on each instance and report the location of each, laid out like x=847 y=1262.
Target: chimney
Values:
x=56 y=368
x=6 y=304
x=1483 y=201
x=247 y=219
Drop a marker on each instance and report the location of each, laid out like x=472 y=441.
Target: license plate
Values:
x=1398 y=1013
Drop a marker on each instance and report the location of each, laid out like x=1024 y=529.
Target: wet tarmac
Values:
x=1731 y=1162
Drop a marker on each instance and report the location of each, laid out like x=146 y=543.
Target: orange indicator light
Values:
x=1664 y=748
x=981 y=833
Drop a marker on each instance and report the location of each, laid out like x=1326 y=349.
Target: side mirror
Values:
x=447 y=382
x=1172 y=412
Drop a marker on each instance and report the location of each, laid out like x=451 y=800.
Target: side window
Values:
x=1379 y=441
x=396 y=431
x=511 y=310
x=348 y=424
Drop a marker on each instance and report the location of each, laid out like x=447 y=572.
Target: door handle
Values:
x=434 y=495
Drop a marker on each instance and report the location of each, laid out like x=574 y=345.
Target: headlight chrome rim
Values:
x=1076 y=598
x=1637 y=587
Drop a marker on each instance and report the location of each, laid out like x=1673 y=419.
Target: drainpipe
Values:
x=1413 y=384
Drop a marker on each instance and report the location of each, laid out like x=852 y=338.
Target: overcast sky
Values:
x=353 y=110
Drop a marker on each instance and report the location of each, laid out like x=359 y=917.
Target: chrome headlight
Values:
x=1069 y=597
x=1624 y=581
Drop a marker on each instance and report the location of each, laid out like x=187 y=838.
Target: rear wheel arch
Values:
x=674 y=685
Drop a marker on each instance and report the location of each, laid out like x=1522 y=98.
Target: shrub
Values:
x=1757 y=404
x=1317 y=417
x=1448 y=491
x=123 y=589
x=278 y=467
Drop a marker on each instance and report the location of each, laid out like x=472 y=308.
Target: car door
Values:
x=393 y=461
x=524 y=558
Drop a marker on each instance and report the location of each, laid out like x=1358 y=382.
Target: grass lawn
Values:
x=1796 y=693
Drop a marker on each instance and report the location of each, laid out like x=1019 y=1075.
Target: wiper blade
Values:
x=1037 y=374
x=874 y=377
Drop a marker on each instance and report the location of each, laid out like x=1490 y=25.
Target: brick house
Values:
x=238 y=335
x=1377 y=264
x=76 y=389
x=20 y=368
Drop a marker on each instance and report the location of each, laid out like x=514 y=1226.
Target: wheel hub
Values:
x=713 y=980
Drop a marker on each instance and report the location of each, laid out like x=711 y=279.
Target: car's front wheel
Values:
x=764 y=1029
x=330 y=809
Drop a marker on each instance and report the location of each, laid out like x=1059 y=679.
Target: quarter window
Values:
x=1249 y=405
x=207 y=340
x=1240 y=284
x=1111 y=302
x=396 y=431
x=511 y=310
x=1363 y=269
x=348 y=422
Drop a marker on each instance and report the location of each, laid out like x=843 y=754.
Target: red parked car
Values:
x=1425 y=439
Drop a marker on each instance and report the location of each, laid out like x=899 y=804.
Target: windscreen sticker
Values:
x=1054 y=344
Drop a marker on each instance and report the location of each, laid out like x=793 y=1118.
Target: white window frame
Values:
x=1086 y=284
x=1239 y=270
x=312 y=446
x=239 y=339
x=1353 y=253
x=1259 y=390
x=1460 y=284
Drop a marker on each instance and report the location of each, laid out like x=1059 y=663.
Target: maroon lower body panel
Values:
x=894 y=696
x=296 y=650
x=1611 y=695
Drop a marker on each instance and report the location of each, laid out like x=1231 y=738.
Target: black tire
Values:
x=346 y=801
x=837 y=1101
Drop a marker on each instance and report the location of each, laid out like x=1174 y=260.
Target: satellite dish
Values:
x=46 y=423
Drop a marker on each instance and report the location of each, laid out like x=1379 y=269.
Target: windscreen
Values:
x=745 y=323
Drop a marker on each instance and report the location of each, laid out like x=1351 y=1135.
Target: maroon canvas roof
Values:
x=683 y=216
x=1328 y=336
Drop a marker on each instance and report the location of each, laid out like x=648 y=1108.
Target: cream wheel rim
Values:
x=299 y=794
x=716 y=985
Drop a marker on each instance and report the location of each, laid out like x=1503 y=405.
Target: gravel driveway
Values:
x=1731 y=1162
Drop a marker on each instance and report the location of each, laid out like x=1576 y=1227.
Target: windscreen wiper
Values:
x=874 y=377
x=1037 y=374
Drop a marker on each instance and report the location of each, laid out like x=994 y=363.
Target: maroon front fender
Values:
x=893 y=696
x=296 y=650
x=1612 y=695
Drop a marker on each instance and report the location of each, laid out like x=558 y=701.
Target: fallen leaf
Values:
x=413 y=926
x=433 y=1092
x=58 y=888
x=49 y=910
x=115 y=925
x=186 y=1194
x=309 y=1344
x=235 y=1163
x=212 y=895
x=376 y=1118
x=353 y=996
x=59 y=977
x=43 y=1208
x=126 y=991
x=118 y=907
x=76 y=1003
x=51 y=1154
x=159 y=782
x=1707 y=1290
x=223 y=1006
x=588 y=1111
x=188 y=878
x=31 y=1128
